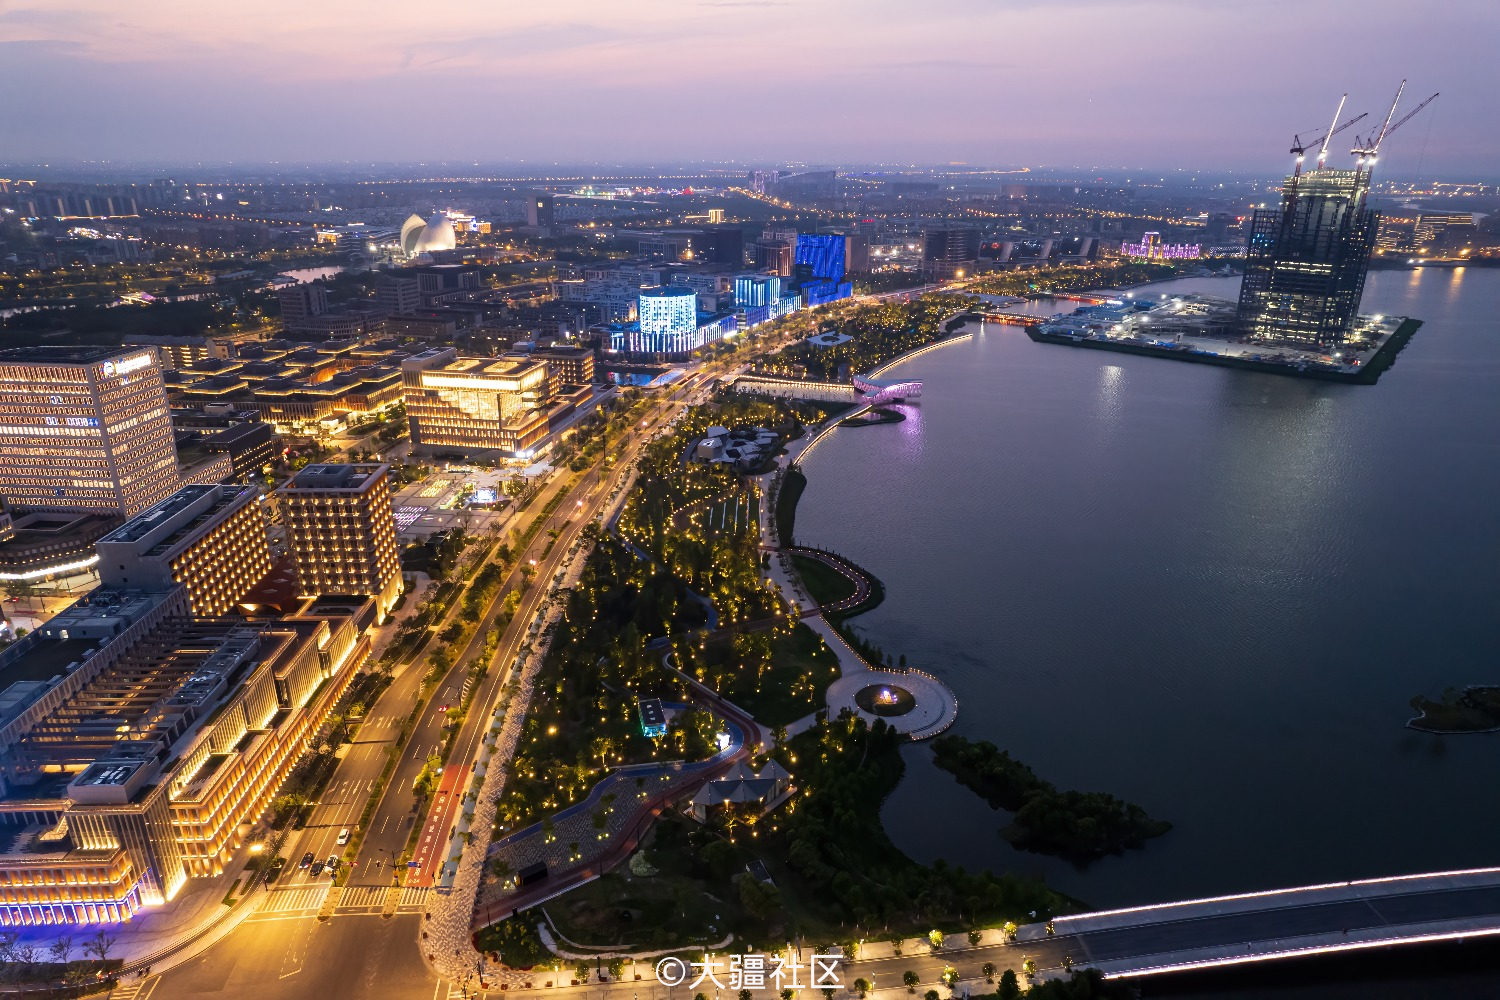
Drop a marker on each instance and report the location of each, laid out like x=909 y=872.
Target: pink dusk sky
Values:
x=1197 y=84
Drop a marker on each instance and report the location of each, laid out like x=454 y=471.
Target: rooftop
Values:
x=345 y=476
x=163 y=512
x=53 y=354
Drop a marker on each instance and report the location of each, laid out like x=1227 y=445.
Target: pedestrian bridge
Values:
x=859 y=389
x=1284 y=923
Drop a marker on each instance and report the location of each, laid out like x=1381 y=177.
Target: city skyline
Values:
x=1083 y=84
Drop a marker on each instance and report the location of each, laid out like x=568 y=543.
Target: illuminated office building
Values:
x=157 y=740
x=210 y=539
x=753 y=290
x=773 y=255
x=485 y=406
x=85 y=428
x=668 y=320
x=1305 y=261
x=821 y=256
x=342 y=533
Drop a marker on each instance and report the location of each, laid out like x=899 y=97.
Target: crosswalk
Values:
x=135 y=989
x=354 y=899
x=291 y=899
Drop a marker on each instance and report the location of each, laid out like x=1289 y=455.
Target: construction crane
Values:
x=1300 y=148
x=1367 y=150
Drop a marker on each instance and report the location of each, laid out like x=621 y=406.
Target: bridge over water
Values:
x=1280 y=924
x=859 y=389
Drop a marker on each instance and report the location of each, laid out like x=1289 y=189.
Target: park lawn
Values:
x=802 y=667
x=824 y=584
x=674 y=908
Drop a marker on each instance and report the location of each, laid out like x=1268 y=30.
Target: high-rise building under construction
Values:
x=1305 y=260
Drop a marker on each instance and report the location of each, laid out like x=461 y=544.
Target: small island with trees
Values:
x=1079 y=826
x=1474 y=709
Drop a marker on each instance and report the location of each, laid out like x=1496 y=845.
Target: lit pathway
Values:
x=937 y=705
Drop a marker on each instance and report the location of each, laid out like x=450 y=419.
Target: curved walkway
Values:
x=598 y=847
x=934 y=711
x=863 y=587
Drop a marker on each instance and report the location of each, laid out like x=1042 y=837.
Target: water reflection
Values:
x=1210 y=592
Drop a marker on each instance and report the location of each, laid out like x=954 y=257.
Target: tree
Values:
x=1010 y=930
x=1010 y=988
x=99 y=946
x=862 y=986
x=975 y=936
x=61 y=949
x=935 y=938
x=582 y=972
x=931 y=995
x=744 y=995
x=910 y=979
x=896 y=940
x=989 y=971
x=950 y=976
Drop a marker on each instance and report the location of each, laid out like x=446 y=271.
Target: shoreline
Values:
x=1382 y=360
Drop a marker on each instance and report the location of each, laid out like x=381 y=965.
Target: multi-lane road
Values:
x=284 y=950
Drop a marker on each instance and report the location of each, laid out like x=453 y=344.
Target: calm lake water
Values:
x=1207 y=591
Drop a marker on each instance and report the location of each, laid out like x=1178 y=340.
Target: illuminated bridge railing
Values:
x=876 y=393
x=859 y=389
x=1282 y=924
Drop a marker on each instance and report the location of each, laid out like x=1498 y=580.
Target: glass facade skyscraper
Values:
x=753 y=290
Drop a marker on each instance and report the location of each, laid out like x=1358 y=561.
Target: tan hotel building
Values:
x=85 y=428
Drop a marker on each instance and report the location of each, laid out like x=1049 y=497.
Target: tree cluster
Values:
x=1079 y=826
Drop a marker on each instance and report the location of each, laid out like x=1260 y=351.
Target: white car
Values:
x=343 y=836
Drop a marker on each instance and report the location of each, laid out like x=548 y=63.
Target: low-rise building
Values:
x=137 y=746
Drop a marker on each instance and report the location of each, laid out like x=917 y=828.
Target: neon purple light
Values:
x=1152 y=248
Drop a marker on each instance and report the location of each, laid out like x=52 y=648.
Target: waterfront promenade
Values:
x=936 y=706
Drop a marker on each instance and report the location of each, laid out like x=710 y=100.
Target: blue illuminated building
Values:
x=669 y=324
x=653 y=717
x=819 y=292
x=820 y=257
x=752 y=290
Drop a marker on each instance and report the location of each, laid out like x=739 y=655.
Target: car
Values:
x=317 y=869
x=332 y=865
x=343 y=836
x=307 y=859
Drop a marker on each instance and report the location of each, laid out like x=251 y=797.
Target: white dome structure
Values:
x=436 y=235
x=411 y=231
